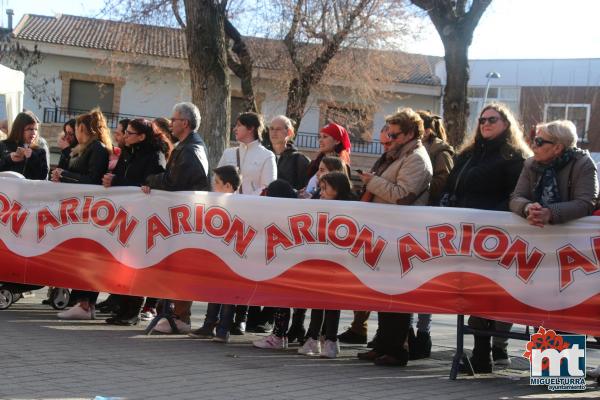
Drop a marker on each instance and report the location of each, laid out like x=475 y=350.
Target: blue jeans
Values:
x=221 y=316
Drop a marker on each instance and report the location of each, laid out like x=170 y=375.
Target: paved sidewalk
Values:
x=45 y=358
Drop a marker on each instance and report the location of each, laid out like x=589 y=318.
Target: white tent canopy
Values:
x=12 y=84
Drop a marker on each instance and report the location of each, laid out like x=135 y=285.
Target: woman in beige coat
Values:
x=401 y=176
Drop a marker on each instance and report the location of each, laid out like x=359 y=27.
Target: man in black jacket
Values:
x=187 y=169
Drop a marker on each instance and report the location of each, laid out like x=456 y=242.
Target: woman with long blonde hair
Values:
x=88 y=164
x=89 y=159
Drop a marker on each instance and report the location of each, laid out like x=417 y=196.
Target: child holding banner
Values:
x=220 y=316
x=334 y=186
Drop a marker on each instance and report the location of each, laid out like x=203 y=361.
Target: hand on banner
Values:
x=304 y=194
x=107 y=180
x=538 y=215
x=56 y=174
x=146 y=189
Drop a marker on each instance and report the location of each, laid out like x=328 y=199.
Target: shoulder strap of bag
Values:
x=237 y=159
x=460 y=174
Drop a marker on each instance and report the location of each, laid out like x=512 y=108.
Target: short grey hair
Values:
x=190 y=112
x=286 y=121
x=561 y=131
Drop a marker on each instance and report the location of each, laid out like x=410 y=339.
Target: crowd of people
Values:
x=547 y=181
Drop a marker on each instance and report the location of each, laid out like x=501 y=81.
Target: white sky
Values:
x=508 y=29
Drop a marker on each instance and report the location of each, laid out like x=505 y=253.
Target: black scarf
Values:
x=546 y=190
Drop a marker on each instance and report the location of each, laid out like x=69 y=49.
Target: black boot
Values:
x=420 y=346
x=373 y=343
x=297 y=330
x=481 y=359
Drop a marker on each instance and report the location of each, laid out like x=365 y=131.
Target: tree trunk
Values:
x=456 y=107
x=207 y=57
x=296 y=101
x=243 y=68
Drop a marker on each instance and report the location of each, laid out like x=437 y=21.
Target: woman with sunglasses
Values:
x=141 y=157
x=485 y=173
x=559 y=183
x=400 y=176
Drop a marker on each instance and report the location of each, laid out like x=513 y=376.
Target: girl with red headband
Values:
x=333 y=140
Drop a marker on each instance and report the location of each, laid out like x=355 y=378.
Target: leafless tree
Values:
x=455 y=21
x=214 y=46
x=18 y=57
x=320 y=30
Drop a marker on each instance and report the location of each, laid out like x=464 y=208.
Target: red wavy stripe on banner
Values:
x=201 y=275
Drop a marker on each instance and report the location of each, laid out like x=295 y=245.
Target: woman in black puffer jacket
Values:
x=485 y=173
x=141 y=157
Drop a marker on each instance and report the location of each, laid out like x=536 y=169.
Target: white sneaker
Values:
x=271 y=342
x=331 y=349
x=164 y=327
x=594 y=373
x=311 y=347
x=77 y=313
x=148 y=315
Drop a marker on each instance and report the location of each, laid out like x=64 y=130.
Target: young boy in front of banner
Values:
x=220 y=316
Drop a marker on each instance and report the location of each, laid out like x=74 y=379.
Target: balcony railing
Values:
x=60 y=115
x=307 y=140
x=311 y=141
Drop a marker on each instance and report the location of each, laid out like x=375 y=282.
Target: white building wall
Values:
x=150 y=91
x=276 y=97
x=147 y=91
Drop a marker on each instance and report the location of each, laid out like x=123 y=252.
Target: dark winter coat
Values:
x=441 y=155
x=34 y=167
x=89 y=166
x=187 y=168
x=65 y=157
x=484 y=176
x=137 y=163
x=292 y=166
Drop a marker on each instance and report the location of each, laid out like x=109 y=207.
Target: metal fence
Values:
x=307 y=140
x=60 y=115
x=311 y=141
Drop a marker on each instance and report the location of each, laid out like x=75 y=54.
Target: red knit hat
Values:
x=339 y=133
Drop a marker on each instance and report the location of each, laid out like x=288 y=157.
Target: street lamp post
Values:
x=490 y=76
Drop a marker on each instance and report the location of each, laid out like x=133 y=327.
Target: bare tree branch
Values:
x=175 y=8
x=291 y=35
x=243 y=68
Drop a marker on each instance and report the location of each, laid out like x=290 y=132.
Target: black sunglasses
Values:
x=491 y=120
x=394 y=136
x=540 y=141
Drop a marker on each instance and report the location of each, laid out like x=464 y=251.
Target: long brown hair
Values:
x=340 y=182
x=515 y=138
x=164 y=136
x=17 y=130
x=433 y=122
x=95 y=123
